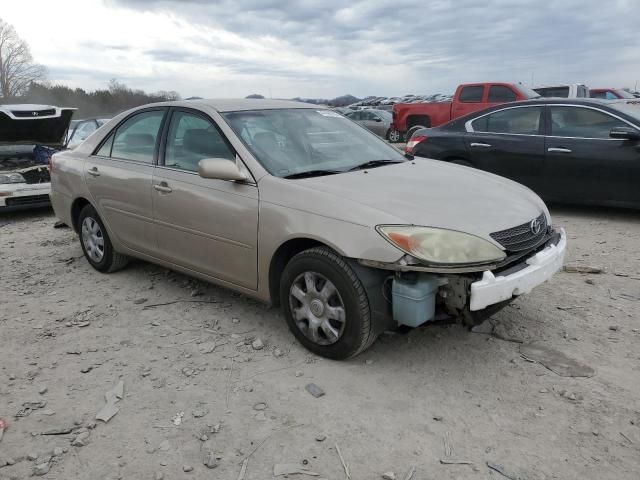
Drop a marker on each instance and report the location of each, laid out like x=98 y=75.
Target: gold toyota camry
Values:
x=297 y=205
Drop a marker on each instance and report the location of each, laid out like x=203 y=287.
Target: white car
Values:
x=80 y=130
x=29 y=134
x=573 y=90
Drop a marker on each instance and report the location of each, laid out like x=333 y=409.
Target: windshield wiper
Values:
x=312 y=173
x=374 y=163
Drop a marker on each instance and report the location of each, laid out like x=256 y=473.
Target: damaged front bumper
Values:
x=466 y=293
x=496 y=288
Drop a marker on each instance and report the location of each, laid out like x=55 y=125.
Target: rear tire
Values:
x=96 y=244
x=325 y=304
x=413 y=130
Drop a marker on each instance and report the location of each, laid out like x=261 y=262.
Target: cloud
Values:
x=329 y=47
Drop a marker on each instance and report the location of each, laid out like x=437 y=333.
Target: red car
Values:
x=410 y=117
x=610 y=93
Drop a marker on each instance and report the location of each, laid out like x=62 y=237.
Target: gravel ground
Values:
x=196 y=390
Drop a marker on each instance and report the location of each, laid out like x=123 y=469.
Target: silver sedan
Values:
x=293 y=204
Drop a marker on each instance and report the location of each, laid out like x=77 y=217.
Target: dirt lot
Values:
x=195 y=388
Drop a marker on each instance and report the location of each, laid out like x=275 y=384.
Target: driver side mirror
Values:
x=220 y=169
x=625 y=133
x=377 y=119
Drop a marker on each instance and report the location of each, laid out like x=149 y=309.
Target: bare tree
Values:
x=17 y=69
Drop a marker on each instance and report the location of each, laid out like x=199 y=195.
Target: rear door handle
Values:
x=163 y=187
x=482 y=145
x=558 y=150
x=93 y=172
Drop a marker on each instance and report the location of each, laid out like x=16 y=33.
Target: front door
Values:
x=119 y=179
x=510 y=143
x=584 y=164
x=207 y=225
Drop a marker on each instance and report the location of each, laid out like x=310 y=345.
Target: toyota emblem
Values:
x=535 y=226
x=35 y=114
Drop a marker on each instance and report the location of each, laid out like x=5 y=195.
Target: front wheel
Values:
x=96 y=244
x=394 y=136
x=325 y=304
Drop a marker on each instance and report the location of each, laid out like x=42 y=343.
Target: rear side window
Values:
x=583 y=92
x=522 y=121
x=581 y=122
x=472 y=94
x=105 y=149
x=501 y=94
x=136 y=138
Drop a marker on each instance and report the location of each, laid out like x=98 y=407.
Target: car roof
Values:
x=239 y=104
x=556 y=100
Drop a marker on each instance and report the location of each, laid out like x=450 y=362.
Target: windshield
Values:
x=293 y=141
x=527 y=92
x=624 y=94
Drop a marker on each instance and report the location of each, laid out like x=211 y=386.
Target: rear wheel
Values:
x=325 y=304
x=96 y=244
x=413 y=130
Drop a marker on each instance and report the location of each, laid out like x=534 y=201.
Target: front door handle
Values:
x=558 y=150
x=93 y=172
x=481 y=145
x=163 y=187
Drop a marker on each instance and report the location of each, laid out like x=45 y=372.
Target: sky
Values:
x=326 y=48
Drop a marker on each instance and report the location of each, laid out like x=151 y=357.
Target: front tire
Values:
x=96 y=244
x=394 y=136
x=325 y=305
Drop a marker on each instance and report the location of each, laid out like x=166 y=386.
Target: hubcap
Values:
x=394 y=135
x=317 y=308
x=92 y=239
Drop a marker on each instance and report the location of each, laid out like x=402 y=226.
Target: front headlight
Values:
x=440 y=246
x=11 y=178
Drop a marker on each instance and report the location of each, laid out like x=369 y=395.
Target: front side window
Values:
x=501 y=94
x=522 y=121
x=192 y=138
x=583 y=92
x=298 y=140
x=582 y=122
x=136 y=138
x=472 y=94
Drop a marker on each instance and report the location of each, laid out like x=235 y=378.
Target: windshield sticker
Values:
x=329 y=113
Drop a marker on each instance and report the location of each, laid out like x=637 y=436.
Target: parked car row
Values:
x=581 y=151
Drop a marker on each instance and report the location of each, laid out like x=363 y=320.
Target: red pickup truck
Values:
x=470 y=97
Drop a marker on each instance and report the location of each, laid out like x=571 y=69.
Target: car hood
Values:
x=34 y=124
x=422 y=192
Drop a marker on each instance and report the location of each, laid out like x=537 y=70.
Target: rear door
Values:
x=509 y=142
x=207 y=225
x=119 y=177
x=584 y=164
